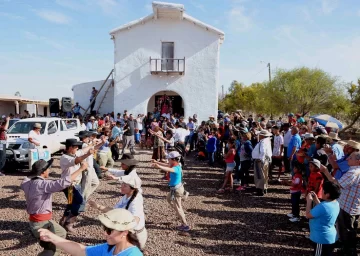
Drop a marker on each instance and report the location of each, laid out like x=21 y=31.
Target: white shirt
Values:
x=68 y=166
x=278 y=141
x=35 y=136
x=287 y=138
x=139 y=122
x=133 y=173
x=136 y=207
x=262 y=150
x=90 y=158
x=91 y=126
x=180 y=134
x=83 y=127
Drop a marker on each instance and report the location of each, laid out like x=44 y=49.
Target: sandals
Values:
x=220 y=191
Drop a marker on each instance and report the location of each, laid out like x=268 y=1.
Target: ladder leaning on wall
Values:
x=104 y=96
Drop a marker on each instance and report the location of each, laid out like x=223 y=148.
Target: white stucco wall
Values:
x=82 y=94
x=134 y=84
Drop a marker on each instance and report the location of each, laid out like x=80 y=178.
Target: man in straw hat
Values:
x=92 y=124
x=347 y=222
x=38 y=193
x=70 y=162
x=34 y=135
x=262 y=157
x=335 y=147
x=118 y=225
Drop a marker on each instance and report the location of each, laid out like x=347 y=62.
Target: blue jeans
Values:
x=189 y=140
x=295 y=203
x=78 y=203
x=211 y=158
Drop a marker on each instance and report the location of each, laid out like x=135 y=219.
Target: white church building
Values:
x=168 y=60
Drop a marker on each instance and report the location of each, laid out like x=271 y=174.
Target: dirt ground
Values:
x=229 y=224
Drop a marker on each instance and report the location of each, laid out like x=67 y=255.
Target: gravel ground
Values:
x=229 y=224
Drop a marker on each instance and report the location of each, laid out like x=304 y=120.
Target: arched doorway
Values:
x=167 y=102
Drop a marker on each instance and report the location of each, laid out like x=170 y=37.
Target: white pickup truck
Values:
x=53 y=132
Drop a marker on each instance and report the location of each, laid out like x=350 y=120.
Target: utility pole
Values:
x=269 y=72
x=222 y=91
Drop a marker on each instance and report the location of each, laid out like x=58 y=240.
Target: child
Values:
x=177 y=191
x=230 y=165
x=245 y=160
x=316 y=179
x=158 y=149
x=211 y=147
x=295 y=191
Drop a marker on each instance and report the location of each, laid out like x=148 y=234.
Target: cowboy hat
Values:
x=83 y=134
x=92 y=118
x=72 y=142
x=39 y=167
x=93 y=132
x=130 y=180
x=173 y=154
x=316 y=163
x=118 y=219
x=129 y=162
x=265 y=133
x=353 y=144
x=211 y=116
x=334 y=136
x=37 y=125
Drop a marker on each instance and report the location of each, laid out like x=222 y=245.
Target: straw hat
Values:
x=265 y=133
x=353 y=144
x=334 y=136
x=37 y=125
x=118 y=219
x=130 y=180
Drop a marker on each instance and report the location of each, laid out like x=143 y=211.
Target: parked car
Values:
x=13 y=121
x=53 y=132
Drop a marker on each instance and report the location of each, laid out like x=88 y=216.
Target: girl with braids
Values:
x=132 y=201
x=119 y=233
x=128 y=167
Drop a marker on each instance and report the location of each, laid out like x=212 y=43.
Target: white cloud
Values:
x=53 y=16
x=31 y=36
x=11 y=16
x=328 y=6
x=306 y=14
x=238 y=20
x=198 y=5
x=71 y=4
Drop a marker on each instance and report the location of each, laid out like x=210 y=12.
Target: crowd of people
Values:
x=309 y=158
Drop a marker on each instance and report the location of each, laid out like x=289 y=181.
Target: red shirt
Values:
x=315 y=178
x=296 y=183
x=231 y=156
x=2 y=132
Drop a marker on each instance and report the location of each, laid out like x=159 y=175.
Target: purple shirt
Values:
x=38 y=193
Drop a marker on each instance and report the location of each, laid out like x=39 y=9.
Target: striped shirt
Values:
x=350 y=191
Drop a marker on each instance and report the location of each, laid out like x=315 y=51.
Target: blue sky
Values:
x=48 y=46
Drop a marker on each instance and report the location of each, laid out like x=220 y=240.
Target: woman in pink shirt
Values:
x=230 y=165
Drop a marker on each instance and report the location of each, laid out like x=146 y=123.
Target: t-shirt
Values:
x=296 y=183
x=322 y=226
x=102 y=250
x=211 y=144
x=35 y=136
x=180 y=134
x=136 y=207
x=278 y=141
x=2 y=132
x=314 y=178
x=294 y=142
x=175 y=177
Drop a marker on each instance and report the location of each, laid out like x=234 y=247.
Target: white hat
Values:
x=316 y=163
x=173 y=154
x=353 y=144
x=308 y=136
x=118 y=219
x=130 y=180
x=334 y=136
x=265 y=133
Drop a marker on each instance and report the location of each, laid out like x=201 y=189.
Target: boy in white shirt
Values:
x=277 y=151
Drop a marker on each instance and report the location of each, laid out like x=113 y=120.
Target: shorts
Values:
x=230 y=166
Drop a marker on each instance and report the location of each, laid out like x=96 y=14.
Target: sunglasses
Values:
x=108 y=230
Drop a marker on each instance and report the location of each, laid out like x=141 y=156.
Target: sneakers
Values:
x=186 y=195
x=295 y=219
x=240 y=188
x=290 y=215
x=183 y=228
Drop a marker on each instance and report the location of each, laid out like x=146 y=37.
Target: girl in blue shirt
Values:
x=118 y=227
x=177 y=191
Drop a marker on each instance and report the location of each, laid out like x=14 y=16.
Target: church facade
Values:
x=167 y=60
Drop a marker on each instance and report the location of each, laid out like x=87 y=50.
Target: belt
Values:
x=258 y=160
x=139 y=231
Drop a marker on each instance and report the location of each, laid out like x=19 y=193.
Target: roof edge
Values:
x=132 y=23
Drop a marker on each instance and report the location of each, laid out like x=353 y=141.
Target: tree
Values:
x=17 y=94
x=303 y=90
x=353 y=114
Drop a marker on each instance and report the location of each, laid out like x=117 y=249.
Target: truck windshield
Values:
x=25 y=127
